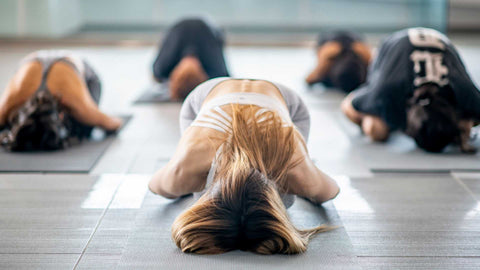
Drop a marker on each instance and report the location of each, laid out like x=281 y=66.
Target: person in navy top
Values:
x=419 y=85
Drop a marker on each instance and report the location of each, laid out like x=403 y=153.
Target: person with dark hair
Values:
x=342 y=61
x=417 y=84
x=191 y=53
x=51 y=102
x=243 y=154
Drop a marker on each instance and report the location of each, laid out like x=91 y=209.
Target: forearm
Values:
x=3 y=113
x=88 y=113
x=325 y=190
x=173 y=181
x=316 y=75
x=108 y=122
x=188 y=169
x=349 y=111
x=307 y=181
x=156 y=185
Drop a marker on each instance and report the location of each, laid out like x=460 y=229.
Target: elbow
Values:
x=164 y=182
x=176 y=182
x=155 y=189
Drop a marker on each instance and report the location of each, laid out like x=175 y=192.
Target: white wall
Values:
x=56 y=18
x=266 y=13
x=39 y=18
x=8 y=18
x=464 y=15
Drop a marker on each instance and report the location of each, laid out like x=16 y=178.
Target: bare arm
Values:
x=307 y=181
x=349 y=111
x=187 y=171
x=363 y=51
x=20 y=88
x=325 y=55
x=88 y=113
x=373 y=126
x=72 y=91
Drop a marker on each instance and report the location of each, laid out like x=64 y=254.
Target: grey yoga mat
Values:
x=400 y=153
x=150 y=245
x=155 y=93
x=76 y=159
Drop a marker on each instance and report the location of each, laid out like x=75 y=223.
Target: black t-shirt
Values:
x=406 y=60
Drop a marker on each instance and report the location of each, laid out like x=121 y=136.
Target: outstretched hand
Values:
x=113 y=124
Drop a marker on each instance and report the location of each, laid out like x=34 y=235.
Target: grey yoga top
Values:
x=49 y=57
x=296 y=110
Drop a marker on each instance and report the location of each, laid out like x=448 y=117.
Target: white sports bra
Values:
x=213 y=116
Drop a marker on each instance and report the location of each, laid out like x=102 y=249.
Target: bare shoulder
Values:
x=20 y=88
x=201 y=139
x=198 y=147
x=28 y=78
x=187 y=170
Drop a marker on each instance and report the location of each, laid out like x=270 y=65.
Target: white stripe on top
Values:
x=213 y=116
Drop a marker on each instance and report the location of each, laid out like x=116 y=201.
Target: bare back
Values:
x=64 y=83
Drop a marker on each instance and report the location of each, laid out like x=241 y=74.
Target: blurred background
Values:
x=120 y=37
x=246 y=21
x=419 y=214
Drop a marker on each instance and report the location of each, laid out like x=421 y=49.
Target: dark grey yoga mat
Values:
x=400 y=153
x=77 y=159
x=150 y=245
x=155 y=93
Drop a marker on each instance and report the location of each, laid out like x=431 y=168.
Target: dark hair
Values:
x=432 y=119
x=37 y=125
x=348 y=71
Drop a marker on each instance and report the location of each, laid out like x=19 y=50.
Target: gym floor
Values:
x=393 y=217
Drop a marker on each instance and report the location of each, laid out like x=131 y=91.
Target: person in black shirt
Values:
x=417 y=84
x=191 y=53
x=343 y=60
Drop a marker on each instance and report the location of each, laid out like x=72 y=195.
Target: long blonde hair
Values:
x=242 y=209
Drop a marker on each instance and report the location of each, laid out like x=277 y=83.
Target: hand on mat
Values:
x=318 y=202
x=465 y=127
x=113 y=124
x=332 y=192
